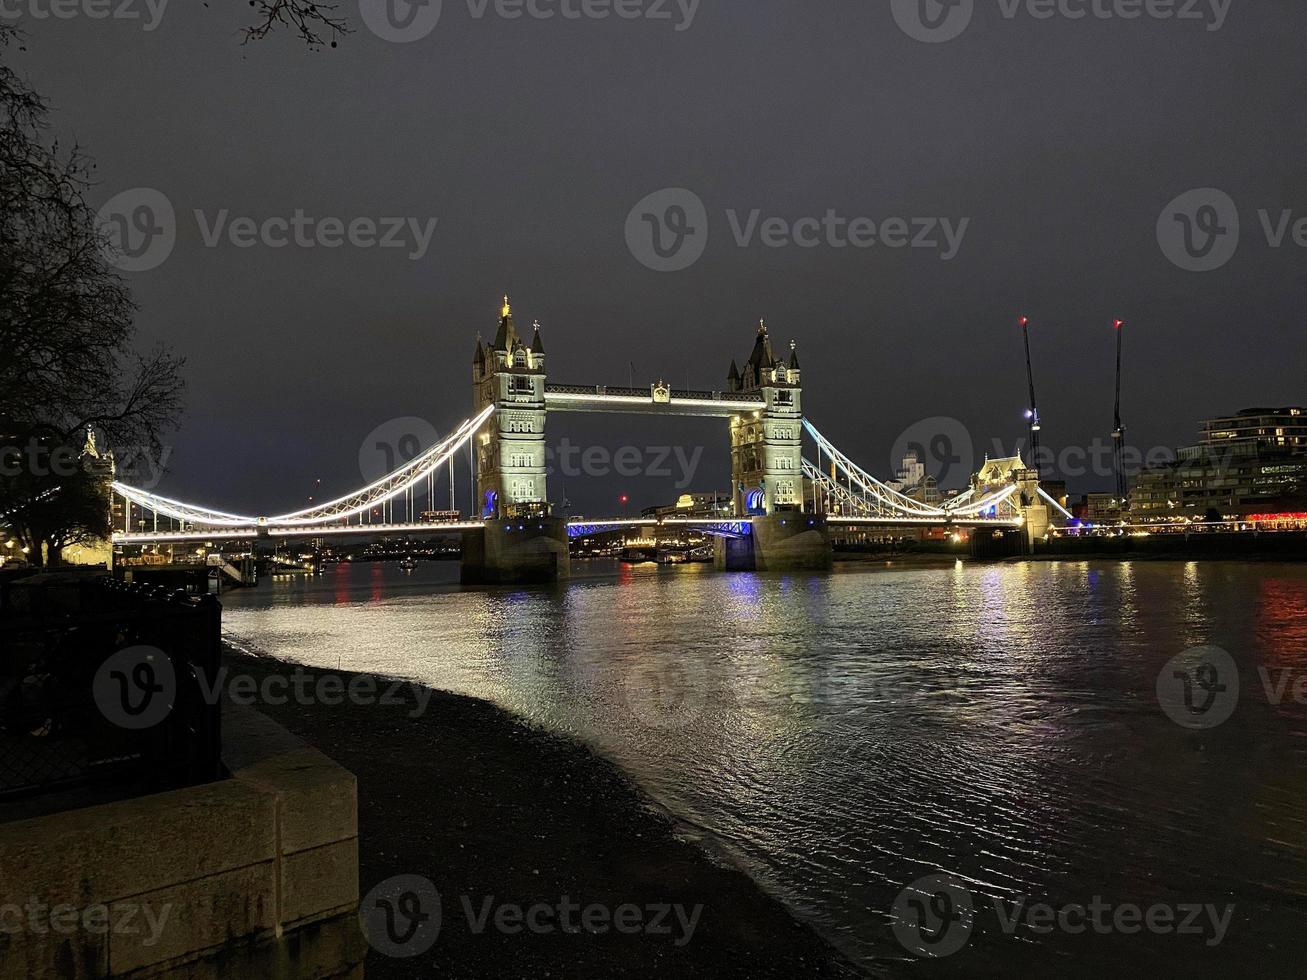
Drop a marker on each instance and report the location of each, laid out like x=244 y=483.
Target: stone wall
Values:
x=253 y=875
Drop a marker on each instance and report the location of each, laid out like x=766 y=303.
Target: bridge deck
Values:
x=592 y=525
x=644 y=401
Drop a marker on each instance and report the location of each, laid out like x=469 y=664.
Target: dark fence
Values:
x=105 y=681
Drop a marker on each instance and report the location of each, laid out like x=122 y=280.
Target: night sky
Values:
x=531 y=141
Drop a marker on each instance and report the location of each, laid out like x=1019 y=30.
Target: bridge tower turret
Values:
x=510 y=451
x=767 y=446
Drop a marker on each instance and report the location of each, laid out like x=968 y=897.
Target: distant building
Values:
x=1257 y=430
x=1103 y=508
x=911 y=481
x=1248 y=464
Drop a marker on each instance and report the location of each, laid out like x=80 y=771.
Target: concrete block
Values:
x=116 y=850
x=78 y=955
x=323 y=880
x=317 y=799
x=233 y=906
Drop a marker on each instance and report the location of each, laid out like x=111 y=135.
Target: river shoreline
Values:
x=484 y=805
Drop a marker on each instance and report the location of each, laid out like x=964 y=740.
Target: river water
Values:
x=844 y=735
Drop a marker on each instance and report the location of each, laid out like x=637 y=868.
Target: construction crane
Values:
x=1032 y=413
x=1118 y=430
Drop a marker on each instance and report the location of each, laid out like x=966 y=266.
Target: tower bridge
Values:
x=783 y=505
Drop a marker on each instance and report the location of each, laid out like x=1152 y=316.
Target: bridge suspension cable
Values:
x=396 y=484
x=871 y=493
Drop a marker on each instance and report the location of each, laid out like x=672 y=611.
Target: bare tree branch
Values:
x=305 y=17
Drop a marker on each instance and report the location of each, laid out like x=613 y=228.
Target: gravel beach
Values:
x=513 y=825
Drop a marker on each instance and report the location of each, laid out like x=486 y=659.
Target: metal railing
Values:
x=58 y=727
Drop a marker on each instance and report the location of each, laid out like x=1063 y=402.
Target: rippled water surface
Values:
x=844 y=735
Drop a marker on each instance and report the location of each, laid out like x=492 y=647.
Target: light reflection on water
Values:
x=844 y=735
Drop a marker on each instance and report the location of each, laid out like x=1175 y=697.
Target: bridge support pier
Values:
x=782 y=542
x=516 y=552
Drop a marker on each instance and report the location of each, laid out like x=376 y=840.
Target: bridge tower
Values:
x=767 y=468
x=510 y=452
x=522 y=540
x=767 y=446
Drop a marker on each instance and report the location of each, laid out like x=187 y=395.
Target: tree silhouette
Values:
x=66 y=326
x=306 y=18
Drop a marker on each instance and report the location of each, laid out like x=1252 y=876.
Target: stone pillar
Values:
x=785 y=542
x=1034 y=508
x=516 y=552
